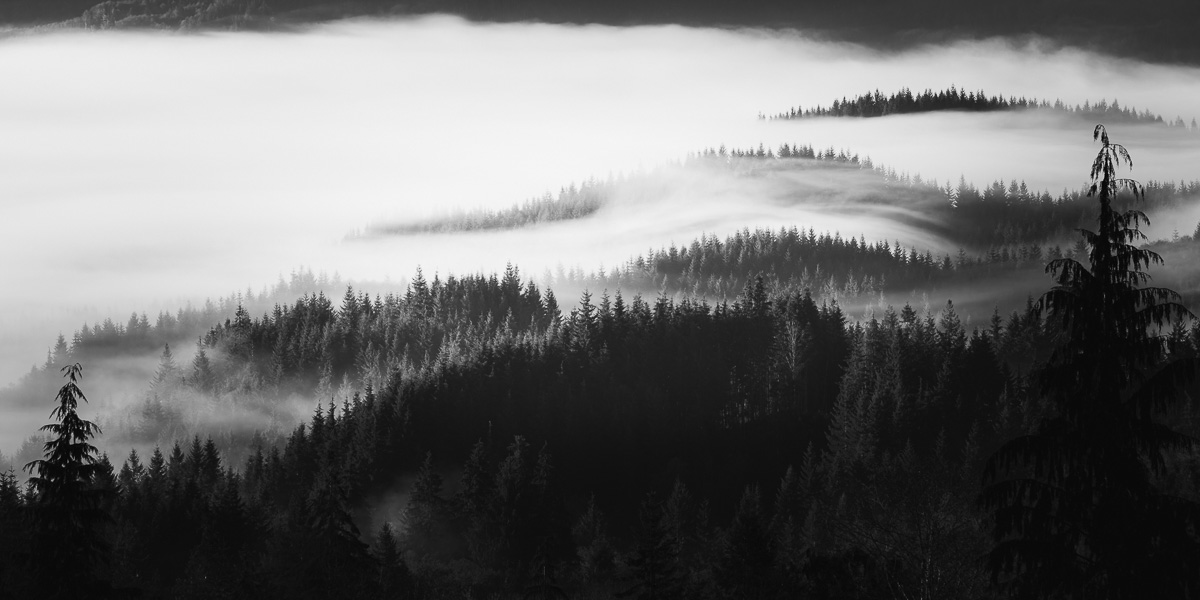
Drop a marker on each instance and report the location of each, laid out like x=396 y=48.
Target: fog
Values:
x=142 y=170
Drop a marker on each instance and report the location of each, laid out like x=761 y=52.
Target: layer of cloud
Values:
x=142 y=169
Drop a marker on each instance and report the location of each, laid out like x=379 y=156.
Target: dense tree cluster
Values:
x=573 y=202
x=140 y=335
x=1000 y=223
x=875 y=104
x=773 y=450
x=1161 y=34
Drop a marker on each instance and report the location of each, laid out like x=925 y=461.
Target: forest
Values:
x=705 y=422
x=1158 y=32
x=875 y=104
x=1002 y=223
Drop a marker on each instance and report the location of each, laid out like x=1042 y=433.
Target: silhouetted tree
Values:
x=68 y=545
x=395 y=580
x=654 y=563
x=1077 y=513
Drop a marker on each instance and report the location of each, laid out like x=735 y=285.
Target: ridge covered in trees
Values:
x=875 y=104
x=774 y=449
x=996 y=219
x=1161 y=34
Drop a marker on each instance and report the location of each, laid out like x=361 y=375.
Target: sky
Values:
x=140 y=171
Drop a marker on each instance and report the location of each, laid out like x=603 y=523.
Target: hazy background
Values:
x=139 y=171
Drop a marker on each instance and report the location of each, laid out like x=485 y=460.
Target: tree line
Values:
x=1000 y=218
x=876 y=104
x=764 y=448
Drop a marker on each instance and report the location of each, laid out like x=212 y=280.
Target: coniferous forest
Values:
x=554 y=316
x=707 y=421
x=875 y=104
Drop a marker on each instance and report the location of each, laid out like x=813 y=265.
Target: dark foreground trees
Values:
x=1078 y=513
x=470 y=424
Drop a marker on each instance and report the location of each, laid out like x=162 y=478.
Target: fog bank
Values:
x=144 y=169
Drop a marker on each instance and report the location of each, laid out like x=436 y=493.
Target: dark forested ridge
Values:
x=999 y=219
x=773 y=449
x=1158 y=30
x=875 y=104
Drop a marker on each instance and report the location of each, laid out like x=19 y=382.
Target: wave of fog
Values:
x=141 y=168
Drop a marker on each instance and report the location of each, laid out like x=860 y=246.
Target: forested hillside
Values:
x=477 y=436
x=783 y=449
x=997 y=220
x=1159 y=33
x=773 y=448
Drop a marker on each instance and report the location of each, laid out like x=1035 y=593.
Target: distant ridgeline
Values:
x=996 y=217
x=577 y=202
x=875 y=104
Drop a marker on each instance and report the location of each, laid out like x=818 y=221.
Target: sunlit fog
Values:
x=141 y=171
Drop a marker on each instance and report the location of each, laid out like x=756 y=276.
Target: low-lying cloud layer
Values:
x=143 y=169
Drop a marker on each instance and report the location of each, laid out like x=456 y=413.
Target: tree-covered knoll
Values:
x=876 y=104
x=1001 y=218
x=760 y=448
x=1159 y=31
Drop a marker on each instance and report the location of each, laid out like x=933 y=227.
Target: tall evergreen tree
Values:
x=202 y=373
x=1077 y=513
x=168 y=372
x=395 y=579
x=654 y=564
x=68 y=546
x=424 y=517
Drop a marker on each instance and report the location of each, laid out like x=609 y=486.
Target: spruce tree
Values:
x=425 y=514
x=203 y=378
x=167 y=372
x=1077 y=513
x=14 y=538
x=654 y=563
x=68 y=546
x=395 y=579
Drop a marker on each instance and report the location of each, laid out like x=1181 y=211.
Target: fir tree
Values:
x=168 y=371
x=1077 y=513
x=423 y=517
x=203 y=378
x=597 y=559
x=68 y=545
x=395 y=580
x=654 y=564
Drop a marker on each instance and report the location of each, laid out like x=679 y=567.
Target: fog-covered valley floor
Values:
x=143 y=172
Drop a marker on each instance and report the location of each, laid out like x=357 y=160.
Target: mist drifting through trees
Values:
x=551 y=311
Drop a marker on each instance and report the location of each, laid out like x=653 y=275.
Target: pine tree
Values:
x=203 y=378
x=168 y=371
x=68 y=545
x=597 y=559
x=746 y=557
x=654 y=564
x=14 y=538
x=424 y=515
x=1077 y=513
x=395 y=580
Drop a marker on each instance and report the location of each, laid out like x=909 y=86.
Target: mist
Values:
x=143 y=170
